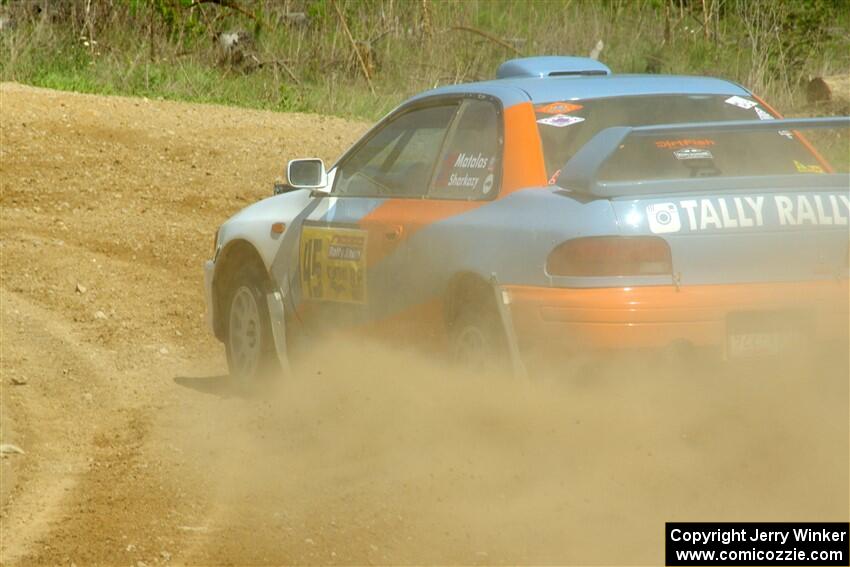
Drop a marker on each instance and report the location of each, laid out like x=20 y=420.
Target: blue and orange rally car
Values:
x=559 y=207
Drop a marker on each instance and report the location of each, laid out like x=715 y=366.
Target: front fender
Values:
x=253 y=224
x=252 y=227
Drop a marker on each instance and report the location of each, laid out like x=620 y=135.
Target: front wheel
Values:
x=249 y=345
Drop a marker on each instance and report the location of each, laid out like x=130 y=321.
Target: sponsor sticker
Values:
x=684 y=143
x=558 y=108
x=748 y=212
x=803 y=168
x=488 y=184
x=740 y=102
x=663 y=218
x=693 y=153
x=561 y=120
x=763 y=115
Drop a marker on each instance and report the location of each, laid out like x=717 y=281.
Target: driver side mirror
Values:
x=308 y=173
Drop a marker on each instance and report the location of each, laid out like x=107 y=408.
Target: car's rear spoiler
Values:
x=580 y=174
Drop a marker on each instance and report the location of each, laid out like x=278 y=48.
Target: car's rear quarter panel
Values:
x=721 y=270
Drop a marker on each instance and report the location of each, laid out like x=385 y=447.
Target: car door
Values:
x=351 y=251
x=451 y=232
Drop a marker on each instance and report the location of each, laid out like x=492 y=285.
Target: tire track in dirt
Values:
x=91 y=490
x=108 y=206
x=63 y=379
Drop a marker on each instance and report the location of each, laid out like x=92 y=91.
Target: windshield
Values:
x=566 y=126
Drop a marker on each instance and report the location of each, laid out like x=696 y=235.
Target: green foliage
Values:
x=805 y=27
x=170 y=48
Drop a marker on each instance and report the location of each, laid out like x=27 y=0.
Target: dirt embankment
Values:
x=137 y=450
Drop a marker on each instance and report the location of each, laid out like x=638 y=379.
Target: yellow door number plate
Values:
x=333 y=264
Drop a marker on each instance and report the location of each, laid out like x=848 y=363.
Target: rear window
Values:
x=566 y=126
x=728 y=154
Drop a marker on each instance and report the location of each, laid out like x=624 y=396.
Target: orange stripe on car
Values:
x=404 y=217
x=523 y=157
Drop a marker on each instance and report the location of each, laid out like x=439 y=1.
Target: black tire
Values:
x=478 y=340
x=249 y=343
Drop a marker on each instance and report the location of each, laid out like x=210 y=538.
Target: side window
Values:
x=399 y=159
x=470 y=162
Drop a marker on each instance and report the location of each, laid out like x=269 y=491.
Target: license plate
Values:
x=764 y=334
x=757 y=344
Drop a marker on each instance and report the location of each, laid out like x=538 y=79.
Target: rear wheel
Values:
x=478 y=341
x=249 y=344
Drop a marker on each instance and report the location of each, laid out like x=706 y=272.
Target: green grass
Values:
x=162 y=48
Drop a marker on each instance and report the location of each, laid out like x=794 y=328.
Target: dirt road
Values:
x=136 y=449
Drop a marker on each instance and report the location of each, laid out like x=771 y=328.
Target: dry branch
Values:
x=492 y=38
x=277 y=63
x=427 y=28
x=354 y=46
x=224 y=4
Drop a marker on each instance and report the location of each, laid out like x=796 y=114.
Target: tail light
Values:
x=602 y=256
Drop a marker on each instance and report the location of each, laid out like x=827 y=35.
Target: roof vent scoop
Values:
x=551 y=67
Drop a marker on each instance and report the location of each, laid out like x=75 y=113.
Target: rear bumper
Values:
x=660 y=316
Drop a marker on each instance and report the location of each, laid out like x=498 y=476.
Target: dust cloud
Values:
x=368 y=454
